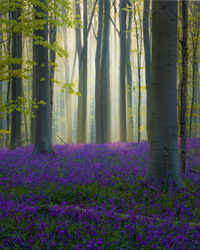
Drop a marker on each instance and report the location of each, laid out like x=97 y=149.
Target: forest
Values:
x=99 y=124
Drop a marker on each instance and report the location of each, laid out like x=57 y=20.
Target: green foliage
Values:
x=70 y=87
x=21 y=104
x=33 y=17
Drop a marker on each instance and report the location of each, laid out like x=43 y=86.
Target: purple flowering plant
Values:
x=91 y=197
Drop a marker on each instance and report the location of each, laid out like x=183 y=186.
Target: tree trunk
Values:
x=147 y=52
x=194 y=76
x=16 y=82
x=8 y=115
x=42 y=135
x=1 y=118
x=129 y=77
x=104 y=80
x=52 y=39
x=139 y=69
x=8 y=95
x=25 y=121
x=195 y=40
x=82 y=53
x=1 y=96
x=122 y=84
x=164 y=162
x=97 y=77
x=68 y=95
x=183 y=86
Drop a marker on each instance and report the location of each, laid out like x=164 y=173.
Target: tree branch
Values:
x=91 y=17
x=194 y=171
x=62 y=140
x=114 y=25
x=94 y=32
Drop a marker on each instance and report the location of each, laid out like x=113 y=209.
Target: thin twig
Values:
x=94 y=32
x=62 y=140
x=114 y=25
x=91 y=17
x=194 y=171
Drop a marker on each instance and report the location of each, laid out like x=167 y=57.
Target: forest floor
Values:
x=91 y=197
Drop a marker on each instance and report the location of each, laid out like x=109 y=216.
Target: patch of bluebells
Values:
x=103 y=181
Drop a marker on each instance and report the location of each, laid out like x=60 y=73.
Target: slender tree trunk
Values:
x=52 y=39
x=129 y=76
x=104 y=79
x=194 y=70
x=1 y=118
x=164 y=162
x=68 y=95
x=25 y=120
x=16 y=82
x=139 y=74
x=115 y=124
x=195 y=40
x=184 y=87
x=1 y=95
x=42 y=135
x=8 y=96
x=197 y=118
x=97 y=77
x=122 y=84
x=8 y=115
x=82 y=53
x=147 y=52
x=33 y=119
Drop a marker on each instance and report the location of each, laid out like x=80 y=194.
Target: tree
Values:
x=183 y=87
x=164 y=162
x=195 y=31
x=68 y=95
x=122 y=84
x=16 y=80
x=1 y=95
x=147 y=54
x=97 y=76
x=82 y=55
x=104 y=80
x=42 y=135
x=139 y=52
x=129 y=75
x=52 y=40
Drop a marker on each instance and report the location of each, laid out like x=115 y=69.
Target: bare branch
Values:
x=94 y=32
x=91 y=17
x=114 y=25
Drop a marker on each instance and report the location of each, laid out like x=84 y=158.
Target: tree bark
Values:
x=97 y=77
x=194 y=75
x=42 y=135
x=195 y=40
x=147 y=52
x=104 y=80
x=1 y=95
x=183 y=87
x=68 y=95
x=122 y=84
x=16 y=82
x=52 y=39
x=164 y=163
x=129 y=76
x=82 y=54
x=139 y=69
